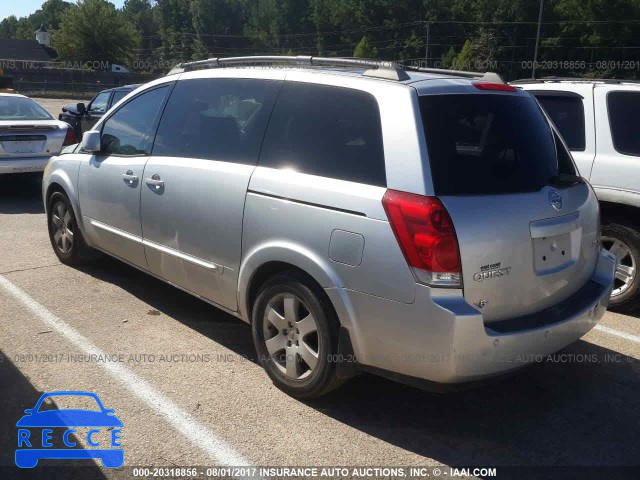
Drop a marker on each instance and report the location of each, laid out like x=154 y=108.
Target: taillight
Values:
x=426 y=237
x=70 y=138
x=501 y=87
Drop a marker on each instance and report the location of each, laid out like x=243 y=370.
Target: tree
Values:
x=50 y=15
x=448 y=59
x=365 y=50
x=140 y=13
x=94 y=31
x=9 y=27
x=463 y=60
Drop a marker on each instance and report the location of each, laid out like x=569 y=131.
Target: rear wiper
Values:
x=565 y=179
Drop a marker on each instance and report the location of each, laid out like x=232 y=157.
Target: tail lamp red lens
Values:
x=70 y=137
x=424 y=231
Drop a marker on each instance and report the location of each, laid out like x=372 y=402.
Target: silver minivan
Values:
x=424 y=225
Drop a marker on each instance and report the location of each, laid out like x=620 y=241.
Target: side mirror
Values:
x=91 y=141
x=81 y=107
x=29 y=411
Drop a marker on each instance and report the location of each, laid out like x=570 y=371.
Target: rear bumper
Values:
x=23 y=165
x=441 y=338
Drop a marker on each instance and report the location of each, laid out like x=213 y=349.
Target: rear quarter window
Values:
x=487 y=144
x=119 y=95
x=623 y=117
x=328 y=131
x=567 y=113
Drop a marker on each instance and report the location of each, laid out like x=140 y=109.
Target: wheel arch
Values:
x=60 y=181
x=612 y=212
x=266 y=261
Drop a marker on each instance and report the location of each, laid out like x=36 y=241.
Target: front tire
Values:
x=295 y=333
x=65 y=235
x=624 y=243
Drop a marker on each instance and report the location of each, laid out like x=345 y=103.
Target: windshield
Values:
x=20 y=108
x=487 y=144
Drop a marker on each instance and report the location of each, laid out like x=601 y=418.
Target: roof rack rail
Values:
x=376 y=68
x=614 y=81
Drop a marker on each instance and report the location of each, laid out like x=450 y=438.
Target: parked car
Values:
x=598 y=120
x=29 y=135
x=83 y=118
x=421 y=225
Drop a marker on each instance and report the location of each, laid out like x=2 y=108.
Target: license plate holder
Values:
x=556 y=253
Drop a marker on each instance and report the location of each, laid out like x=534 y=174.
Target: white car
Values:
x=29 y=135
x=599 y=122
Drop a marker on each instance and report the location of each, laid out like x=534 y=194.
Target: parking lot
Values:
x=186 y=385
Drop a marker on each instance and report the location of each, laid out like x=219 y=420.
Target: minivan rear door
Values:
x=527 y=227
x=195 y=183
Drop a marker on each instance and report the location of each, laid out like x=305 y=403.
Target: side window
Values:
x=328 y=131
x=119 y=95
x=623 y=118
x=216 y=119
x=99 y=104
x=130 y=130
x=567 y=113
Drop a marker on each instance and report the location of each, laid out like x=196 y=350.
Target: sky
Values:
x=24 y=8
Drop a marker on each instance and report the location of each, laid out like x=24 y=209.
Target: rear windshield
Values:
x=20 y=108
x=487 y=144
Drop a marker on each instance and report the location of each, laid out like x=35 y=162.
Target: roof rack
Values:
x=375 y=68
x=614 y=81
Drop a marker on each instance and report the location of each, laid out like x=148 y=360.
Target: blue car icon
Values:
x=28 y=456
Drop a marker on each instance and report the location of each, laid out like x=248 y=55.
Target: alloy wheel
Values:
x=63 y=226
x=291 y=336
x=626 y=269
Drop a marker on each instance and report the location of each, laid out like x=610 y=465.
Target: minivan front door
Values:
x=195 y=183
x=109 y=182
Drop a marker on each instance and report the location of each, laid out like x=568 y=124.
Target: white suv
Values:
x=599 y=122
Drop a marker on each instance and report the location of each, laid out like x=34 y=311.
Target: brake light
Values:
x=426 y=236
x=70 y=137
x=503 y=87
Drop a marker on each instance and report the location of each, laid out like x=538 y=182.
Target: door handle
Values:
x=130 y=178
x=154 y=182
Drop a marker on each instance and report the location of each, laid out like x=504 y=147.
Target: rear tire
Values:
x=624 y=243
x=295 y=333
x=65 y=235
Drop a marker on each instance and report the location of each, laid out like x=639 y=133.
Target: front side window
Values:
x=327 y=131
x=100 y=103
x=130 y=130
x=216 y=119
x=623 y=117
x=567 y=113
